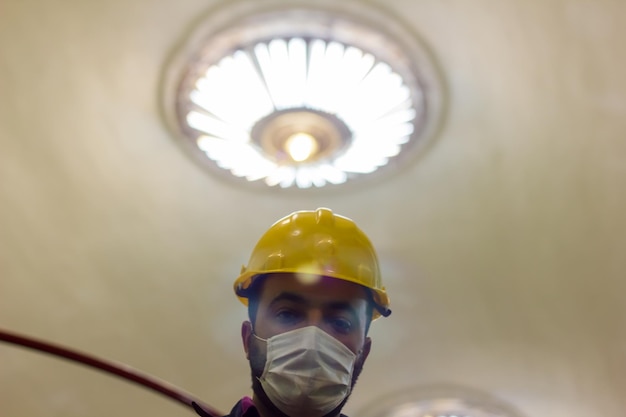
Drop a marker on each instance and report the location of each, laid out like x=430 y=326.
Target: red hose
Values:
x=117 y=369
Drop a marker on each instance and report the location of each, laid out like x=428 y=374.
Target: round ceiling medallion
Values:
x=295 y=94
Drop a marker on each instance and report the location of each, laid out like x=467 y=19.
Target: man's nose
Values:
x=315 y=318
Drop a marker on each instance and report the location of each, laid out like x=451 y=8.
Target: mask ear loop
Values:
x=258 y=337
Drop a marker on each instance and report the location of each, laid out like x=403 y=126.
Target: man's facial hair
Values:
x=257 y=359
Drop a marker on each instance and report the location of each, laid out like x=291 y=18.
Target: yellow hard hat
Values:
x=316 y=243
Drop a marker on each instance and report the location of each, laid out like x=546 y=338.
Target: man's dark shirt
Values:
x=244 y=408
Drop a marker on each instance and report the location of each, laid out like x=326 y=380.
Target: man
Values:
x=312 y=286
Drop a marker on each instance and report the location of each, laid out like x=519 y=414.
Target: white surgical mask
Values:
x=307 y=372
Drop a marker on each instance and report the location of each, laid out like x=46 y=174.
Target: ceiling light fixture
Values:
x=439 y=401
x=299 y=96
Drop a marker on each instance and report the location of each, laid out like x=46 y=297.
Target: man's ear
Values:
x=246 y=333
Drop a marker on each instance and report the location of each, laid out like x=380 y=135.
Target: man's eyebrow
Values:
x=288 y=296
x=343 y=306
x=296 y=298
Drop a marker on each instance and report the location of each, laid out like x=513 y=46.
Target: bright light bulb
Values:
x=300 y=146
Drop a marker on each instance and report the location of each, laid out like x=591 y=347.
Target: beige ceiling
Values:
x=503 y=246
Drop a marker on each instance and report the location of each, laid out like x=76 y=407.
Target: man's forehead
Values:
x=314 y=288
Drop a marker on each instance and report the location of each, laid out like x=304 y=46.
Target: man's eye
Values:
x=287 y=316
x=341 y=324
